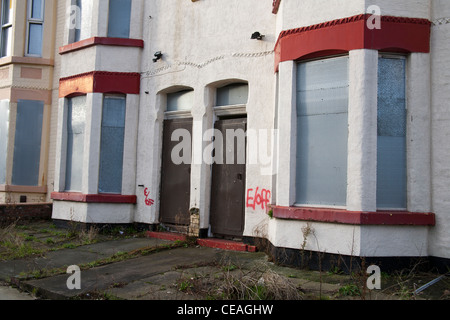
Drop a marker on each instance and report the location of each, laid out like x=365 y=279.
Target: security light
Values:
x=158 y=55
x=257 y=36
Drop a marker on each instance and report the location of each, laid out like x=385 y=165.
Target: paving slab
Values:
x=11 y=294
x=76 y=256
x=104 y=277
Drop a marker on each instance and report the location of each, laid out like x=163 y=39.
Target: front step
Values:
x=225 y=245
x=210 y=242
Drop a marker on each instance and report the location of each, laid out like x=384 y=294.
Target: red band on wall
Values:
x=354 y=217
x=93 y=198
x=396 y=35
x=276 y=6
x=105 y=41
x=100 y=82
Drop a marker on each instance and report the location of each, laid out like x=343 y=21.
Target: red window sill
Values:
x=392 y=218
x=93 y=198
x=101 y=41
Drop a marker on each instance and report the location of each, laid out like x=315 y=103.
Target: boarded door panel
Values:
x=228 y=184
x=27 y=145
x=175 y=179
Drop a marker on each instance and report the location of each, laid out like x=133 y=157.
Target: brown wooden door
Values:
x=175 y=178
x=228 y=185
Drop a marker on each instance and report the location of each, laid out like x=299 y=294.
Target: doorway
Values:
x=175 y=178
x=227 y=211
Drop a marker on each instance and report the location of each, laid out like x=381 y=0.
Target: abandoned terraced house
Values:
x=124 y=112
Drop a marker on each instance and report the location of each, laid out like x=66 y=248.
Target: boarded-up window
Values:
x=119 y=18
x=322 y=132
x=180 y=101
x=391 y=164
x=112 y=145
x=233 y=94
x=4 y=127
x=76 y=119
x=27 y=143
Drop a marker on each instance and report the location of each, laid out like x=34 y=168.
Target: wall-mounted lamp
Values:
x=257 y=36
x=158 y=55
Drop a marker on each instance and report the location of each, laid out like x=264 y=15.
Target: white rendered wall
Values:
x=324 y=237
x=287 y=124
x=203 y=44
x=362 y=139
x=439 y=240
x=93 y=212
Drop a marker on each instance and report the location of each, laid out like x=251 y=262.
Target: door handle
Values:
x=239 y=176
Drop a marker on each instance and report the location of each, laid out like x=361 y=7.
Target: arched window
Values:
x=180 y=101
x=232 y=94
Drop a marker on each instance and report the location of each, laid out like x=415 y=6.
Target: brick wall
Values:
x=24 y=212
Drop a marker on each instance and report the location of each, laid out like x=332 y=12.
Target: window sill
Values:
x=93 y=198
x=26 y=60
x=392 y=218
x=23 y=189
x=94 y=41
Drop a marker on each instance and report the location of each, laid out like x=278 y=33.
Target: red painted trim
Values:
x=166 y=236
x=276 y=6
x=93 y=198
x=342 y=35
x=137 y=43
x=100 y=82
x=354 y=217
x=222 y=244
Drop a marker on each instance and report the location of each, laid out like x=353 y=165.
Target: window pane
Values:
x=36 y=9
x=75 y=21
x=35 y=39
x=181 y=100
x=112 y=145
x=76 y=118
x=6 y=41
x=27 y=143
x=6 y=11
x=119 y=18
x=4 y=127
x=232 y=95
x=391 y=172
x=322 y=132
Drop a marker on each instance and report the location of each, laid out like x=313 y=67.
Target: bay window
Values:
x=112 y=144
x=6 y=32
x=27 y=143
x=76 y=119
x=35 y=25
x=391 y=125
x=322 y=132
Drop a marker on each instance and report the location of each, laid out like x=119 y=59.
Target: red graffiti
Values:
x=258 y=198
x=148 y=202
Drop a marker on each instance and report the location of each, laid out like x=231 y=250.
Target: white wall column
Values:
x=200 y=170
x=362 y=139
x=91 y=161
x=130 y=147
x=61 y=147
x=287 y=134
x=419 y=132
